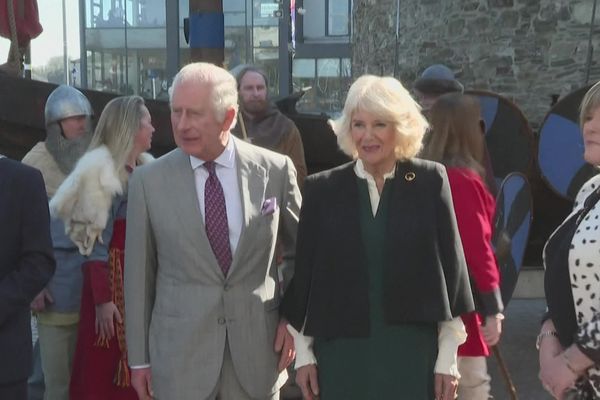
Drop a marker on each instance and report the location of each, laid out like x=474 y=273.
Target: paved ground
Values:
x=517 y=347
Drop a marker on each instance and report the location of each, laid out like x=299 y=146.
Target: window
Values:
x=338 y=18
x=326 y=81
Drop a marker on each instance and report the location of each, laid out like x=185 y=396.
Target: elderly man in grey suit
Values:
x=201 y=285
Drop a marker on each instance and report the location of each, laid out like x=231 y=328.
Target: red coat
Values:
x=100 y=372
x=474 y=207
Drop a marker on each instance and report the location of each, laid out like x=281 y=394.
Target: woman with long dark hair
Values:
x=456 y=140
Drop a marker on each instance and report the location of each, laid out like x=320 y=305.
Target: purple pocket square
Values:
x=269 y=206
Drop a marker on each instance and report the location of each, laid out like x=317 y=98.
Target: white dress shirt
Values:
x=225 y=167
x=451 y=334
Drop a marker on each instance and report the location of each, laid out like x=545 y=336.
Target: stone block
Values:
x=456 y=26
x=562 y=63
x=479 y=24
x=504 y=70
x=544 y=26
x=442 y=54
x=564 y=13
x=469 y=6
x=500 y=3
x=508 y=19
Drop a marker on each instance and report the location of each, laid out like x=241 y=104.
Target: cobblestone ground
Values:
x=517 y=346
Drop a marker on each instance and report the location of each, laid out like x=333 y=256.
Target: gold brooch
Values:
x=410 y=176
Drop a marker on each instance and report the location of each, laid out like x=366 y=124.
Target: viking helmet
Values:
x=65 y=102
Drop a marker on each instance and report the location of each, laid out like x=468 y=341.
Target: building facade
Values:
x=531 y=51
x=137 y=46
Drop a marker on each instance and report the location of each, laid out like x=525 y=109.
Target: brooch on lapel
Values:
x=409 y=176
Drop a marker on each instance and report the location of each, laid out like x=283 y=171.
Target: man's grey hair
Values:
x=224 y=95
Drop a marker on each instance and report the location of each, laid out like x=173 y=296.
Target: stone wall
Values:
x=526 y=50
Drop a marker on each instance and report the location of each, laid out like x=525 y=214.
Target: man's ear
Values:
x=229 y=117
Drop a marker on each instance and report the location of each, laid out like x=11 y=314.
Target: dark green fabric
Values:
x=395 y=361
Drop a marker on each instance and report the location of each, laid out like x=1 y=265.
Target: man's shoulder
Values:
x=38 y=156
x=10 y=166
x=260 y=155
x=19 y=173
x=288 y=122
x=161 y=163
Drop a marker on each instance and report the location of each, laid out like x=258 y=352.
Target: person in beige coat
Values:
x=201 y=286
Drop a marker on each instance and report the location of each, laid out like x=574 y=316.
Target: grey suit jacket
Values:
x=179 y=307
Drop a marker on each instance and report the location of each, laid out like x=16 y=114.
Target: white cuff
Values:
x=451 y=335
x=303 y=345
x=139 y=366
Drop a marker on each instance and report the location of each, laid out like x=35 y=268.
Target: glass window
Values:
x=338 y=18
x=150 y=13
x=325 y=19
x=326 y=81
x=126 y=47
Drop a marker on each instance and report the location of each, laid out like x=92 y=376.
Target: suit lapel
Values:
x=252 y=179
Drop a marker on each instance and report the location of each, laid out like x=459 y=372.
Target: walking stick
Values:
x=505 y=374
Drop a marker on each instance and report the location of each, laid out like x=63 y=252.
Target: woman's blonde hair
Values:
x=456 y=138
x=388 y=100
x=590 y=102
x=118 y=124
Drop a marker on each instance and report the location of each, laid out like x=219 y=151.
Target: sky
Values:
x=50 y=42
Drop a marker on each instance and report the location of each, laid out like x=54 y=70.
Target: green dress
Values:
x=395 y=361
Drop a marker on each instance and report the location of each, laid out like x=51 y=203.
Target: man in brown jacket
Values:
x=262 y=124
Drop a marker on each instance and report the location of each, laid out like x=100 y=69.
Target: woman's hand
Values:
x=492 y=329
x=445 y=387
x=556 y=376
x=306 y=379
x=106 y=313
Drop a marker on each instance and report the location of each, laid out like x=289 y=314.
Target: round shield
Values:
x=508 y=136
x=560 y=149
x=511 y=230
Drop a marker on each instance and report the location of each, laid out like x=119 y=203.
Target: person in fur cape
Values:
x=92 y=203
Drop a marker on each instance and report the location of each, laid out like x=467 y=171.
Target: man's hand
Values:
x=306 y=379
x=445 y=387
x=39 y=302
x=284 y=344
x=141 y=380
x=106 y=314
x=492 y=329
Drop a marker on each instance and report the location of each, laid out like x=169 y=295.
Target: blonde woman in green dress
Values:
x=380 y=278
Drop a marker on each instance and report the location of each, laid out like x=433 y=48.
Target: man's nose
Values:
x=182 y=121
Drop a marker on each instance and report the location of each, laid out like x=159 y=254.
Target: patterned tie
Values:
x=215 y=218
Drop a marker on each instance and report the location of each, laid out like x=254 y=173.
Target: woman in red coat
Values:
x=92 y=202
x=456 y=141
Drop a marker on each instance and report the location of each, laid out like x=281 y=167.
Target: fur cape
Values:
x=83 y=201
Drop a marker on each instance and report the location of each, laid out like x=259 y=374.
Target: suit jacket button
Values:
x=221 y=321
x=226 y=287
